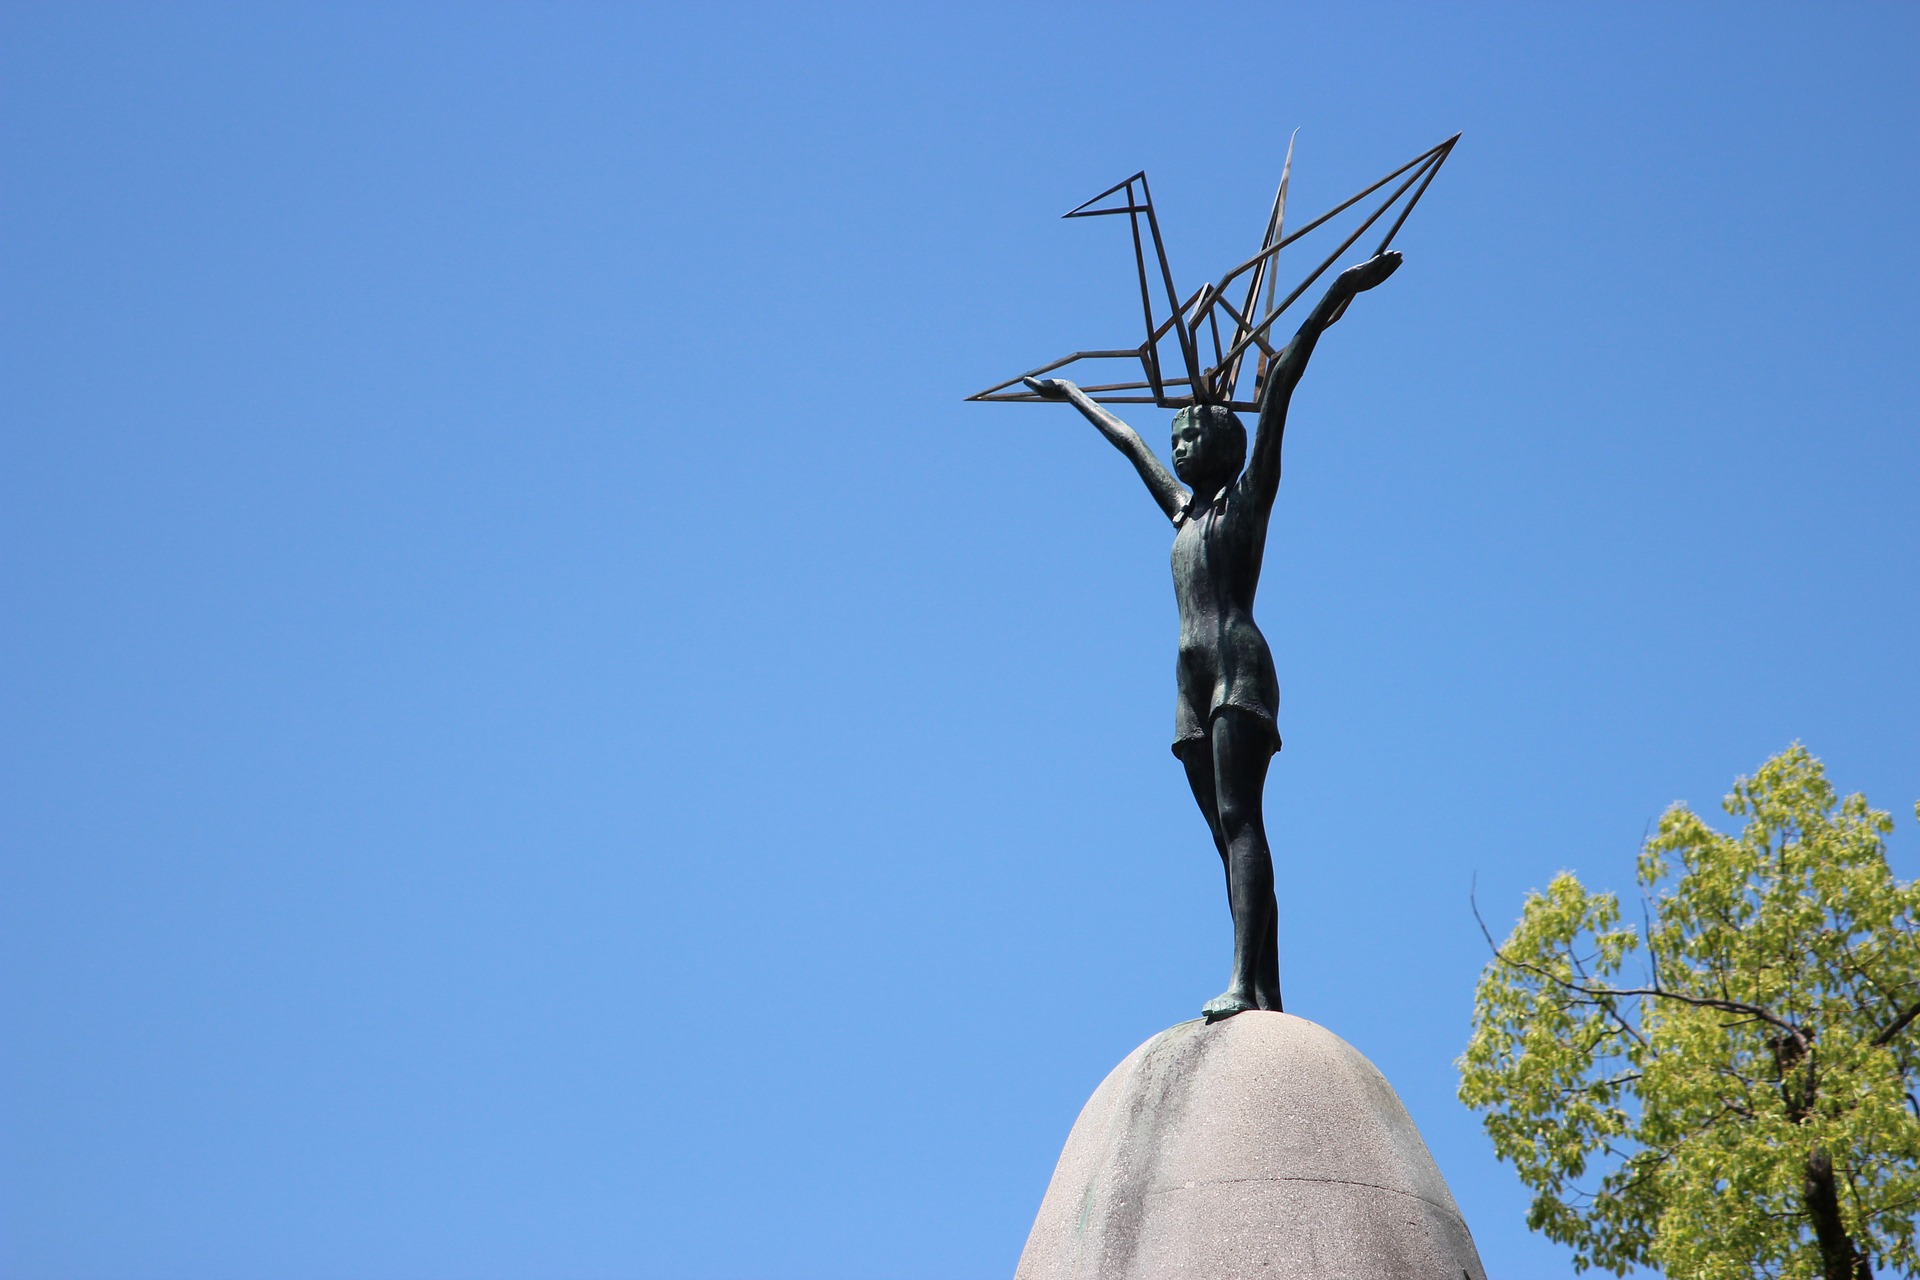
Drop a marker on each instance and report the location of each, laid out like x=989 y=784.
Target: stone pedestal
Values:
x=1262 y=1146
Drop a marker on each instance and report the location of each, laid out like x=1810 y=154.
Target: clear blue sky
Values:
x=543 y=739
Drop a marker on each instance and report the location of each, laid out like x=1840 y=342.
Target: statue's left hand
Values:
x=1371 y=272
x=1048 y=388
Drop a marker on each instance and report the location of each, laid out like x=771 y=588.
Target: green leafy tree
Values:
x=1729 y=1090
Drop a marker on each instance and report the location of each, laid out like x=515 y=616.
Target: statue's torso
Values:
x=1224 y=659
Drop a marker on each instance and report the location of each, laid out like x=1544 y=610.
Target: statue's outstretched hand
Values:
x=1048 y=388
x=1365 y=276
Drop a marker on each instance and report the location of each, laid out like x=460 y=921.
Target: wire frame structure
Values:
x=1211 y=335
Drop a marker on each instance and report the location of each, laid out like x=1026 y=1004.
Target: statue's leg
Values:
x=1241 y=753
x=1198 y=759
x=1266 y=984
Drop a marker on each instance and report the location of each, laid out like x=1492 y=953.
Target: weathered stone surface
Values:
x=1262 y=1146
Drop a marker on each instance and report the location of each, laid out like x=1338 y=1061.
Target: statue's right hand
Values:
x=1048 y=388
x=1373 y=271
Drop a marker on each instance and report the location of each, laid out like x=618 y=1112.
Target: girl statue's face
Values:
x=1200 y=451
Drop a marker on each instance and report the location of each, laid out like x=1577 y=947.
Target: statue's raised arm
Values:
x=1167 y=491
x=1283 y=375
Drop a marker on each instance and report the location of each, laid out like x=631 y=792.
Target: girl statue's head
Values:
x=1209 y=446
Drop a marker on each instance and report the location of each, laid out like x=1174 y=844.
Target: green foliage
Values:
x=1744 y=1103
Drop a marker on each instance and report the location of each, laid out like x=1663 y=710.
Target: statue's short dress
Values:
x=1224 y=660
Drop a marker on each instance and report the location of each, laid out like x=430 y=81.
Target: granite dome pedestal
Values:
x=1260 y=1146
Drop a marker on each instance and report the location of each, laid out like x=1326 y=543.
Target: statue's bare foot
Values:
x=1267 y=1000
x=1225 y=1005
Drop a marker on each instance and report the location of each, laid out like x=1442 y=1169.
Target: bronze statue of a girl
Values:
x=1224 y=717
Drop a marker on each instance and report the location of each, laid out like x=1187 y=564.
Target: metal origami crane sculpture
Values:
x=1230 y=332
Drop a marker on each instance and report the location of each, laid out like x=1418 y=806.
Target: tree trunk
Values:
x=1839 y=1260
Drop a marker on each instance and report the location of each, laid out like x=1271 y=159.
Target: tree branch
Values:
x=1898 y=1025
x=1753 y=1011
x=1660 y=993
